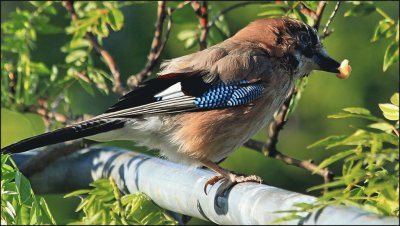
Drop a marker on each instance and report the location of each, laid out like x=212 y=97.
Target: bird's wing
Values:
x=184 y=86
x=184 y=94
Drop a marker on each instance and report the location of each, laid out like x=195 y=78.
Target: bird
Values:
x=204 y=105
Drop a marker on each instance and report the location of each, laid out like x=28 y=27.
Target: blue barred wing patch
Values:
x=229 y=95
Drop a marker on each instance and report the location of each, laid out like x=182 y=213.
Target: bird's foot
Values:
x=232 y=179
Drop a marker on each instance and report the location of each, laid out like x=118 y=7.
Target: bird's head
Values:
x=296 y=43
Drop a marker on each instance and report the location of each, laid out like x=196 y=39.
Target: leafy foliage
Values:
x=20 y=34
x=370 y=172
x=370 y=175
x=291 y=9
x=386 y=29
x=18 y=203
x=104 y=205
x=22 y=77
x=94 y=19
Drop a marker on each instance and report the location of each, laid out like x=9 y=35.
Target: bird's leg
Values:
x=228 y=175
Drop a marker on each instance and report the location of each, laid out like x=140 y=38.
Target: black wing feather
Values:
x=142 y=95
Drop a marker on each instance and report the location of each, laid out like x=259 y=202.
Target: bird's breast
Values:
x=215 y=133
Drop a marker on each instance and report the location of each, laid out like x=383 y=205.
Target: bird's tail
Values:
x=80 y=130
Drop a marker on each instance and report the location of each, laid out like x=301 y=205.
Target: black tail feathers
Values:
x=83 y=129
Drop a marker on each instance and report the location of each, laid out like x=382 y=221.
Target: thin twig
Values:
x=277 y=125
x=112 y=65
x=47 y=116
x=318 y=14
x=202 y=13
x=325 y=31
x=157 y=46
x=304 y=164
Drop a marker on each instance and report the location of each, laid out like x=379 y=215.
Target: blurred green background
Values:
x=324 y=95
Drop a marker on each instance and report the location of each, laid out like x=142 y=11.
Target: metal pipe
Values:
x=179 y=188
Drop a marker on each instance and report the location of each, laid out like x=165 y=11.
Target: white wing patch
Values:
x=171 y=92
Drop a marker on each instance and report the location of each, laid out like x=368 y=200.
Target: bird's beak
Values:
x=324 y=62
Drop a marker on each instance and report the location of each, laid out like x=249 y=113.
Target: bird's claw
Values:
x=212 y=180
x=233 y=179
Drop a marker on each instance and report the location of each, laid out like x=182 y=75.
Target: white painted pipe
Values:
x=179 y=188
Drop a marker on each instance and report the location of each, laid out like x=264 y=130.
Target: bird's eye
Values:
x=304 y=38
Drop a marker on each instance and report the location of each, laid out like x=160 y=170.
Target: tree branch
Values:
x=179 y=188
x=325 y=31
x=157 y=45
x=112 y=65
x=202 y=13
x=47 y=116
x=318 y=14
x=304 y=164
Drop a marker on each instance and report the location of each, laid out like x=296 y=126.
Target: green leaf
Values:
x=391 y=55
x=313 y=5
x=327 y=185
x=360 y=10
x=98 y=77
x=275 y=6
x=186 y=34
x=383 y=30
x=333 y=158
x=101 y=29
x=75 y=55
x=39 y=68
x=300 y=16
x=86 y=86
x=355 y=112
x=390 y=111
x=286 y=218
x=384 y=126
x=304 y=205
x=33 y=215
x=360 y=137
x=116 y=19
x=23 y=186
x=327 y=141
x=77 y=193
x=4 y=158
x=358 y=111
x=190 y=42
x=50 y=10
x=45 y=208
x=395 y=99
x=272 y=13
